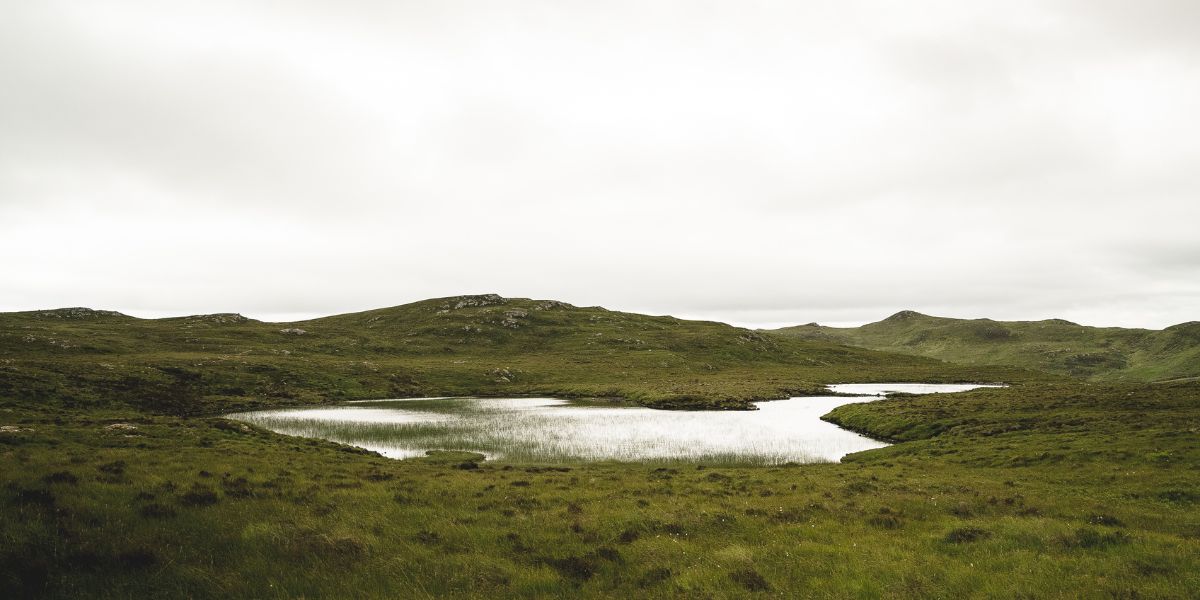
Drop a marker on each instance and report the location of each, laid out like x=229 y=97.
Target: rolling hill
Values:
x=1054 y=345
x=480 y=345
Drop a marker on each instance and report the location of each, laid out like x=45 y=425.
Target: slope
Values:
x=1054 y=345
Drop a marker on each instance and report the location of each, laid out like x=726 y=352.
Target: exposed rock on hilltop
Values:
x=460 y=302
x=77 y=312
x=219 y=319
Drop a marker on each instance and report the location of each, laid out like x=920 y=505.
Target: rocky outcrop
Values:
x=218 y=319
x=77 y=312
x=460 y=302
x=504 y=375
x=512 y=318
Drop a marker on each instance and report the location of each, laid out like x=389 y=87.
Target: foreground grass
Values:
x=1040 y=490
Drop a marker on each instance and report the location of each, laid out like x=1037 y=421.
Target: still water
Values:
x=555 y=430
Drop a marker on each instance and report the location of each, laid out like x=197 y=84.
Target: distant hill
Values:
x=1054 y=345
x=482 y=344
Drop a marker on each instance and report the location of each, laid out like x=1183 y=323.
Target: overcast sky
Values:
x=758 y=163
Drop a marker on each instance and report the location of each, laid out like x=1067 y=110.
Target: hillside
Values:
x=1054 y=345
x=483 y=345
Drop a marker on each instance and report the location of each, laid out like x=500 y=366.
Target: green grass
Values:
x=1097 y=499
x=116 y=481
x=1054 y=345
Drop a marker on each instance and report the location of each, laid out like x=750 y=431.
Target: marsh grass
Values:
x=558 y=430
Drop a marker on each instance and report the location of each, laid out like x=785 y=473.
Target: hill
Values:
x=1052 y=488
x=1054 y=345
x=478 y=345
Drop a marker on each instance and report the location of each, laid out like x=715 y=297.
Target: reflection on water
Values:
x=554 y=430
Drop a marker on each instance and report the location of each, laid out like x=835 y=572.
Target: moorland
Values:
x=121 y=478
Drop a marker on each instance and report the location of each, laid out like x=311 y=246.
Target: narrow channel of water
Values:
x=552 y=430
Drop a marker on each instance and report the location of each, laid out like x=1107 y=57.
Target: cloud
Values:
x=755 y=162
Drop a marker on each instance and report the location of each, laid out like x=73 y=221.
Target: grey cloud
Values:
x=761 y=163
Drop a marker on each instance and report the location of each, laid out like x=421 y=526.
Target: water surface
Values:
x=556 y=430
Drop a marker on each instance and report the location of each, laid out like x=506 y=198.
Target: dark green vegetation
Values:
x=467 y=345
x=1055 y=346
x=115 y=483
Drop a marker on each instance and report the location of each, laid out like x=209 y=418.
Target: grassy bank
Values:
x=1039 y=490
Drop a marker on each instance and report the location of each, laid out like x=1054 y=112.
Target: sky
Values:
x=758 y=163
